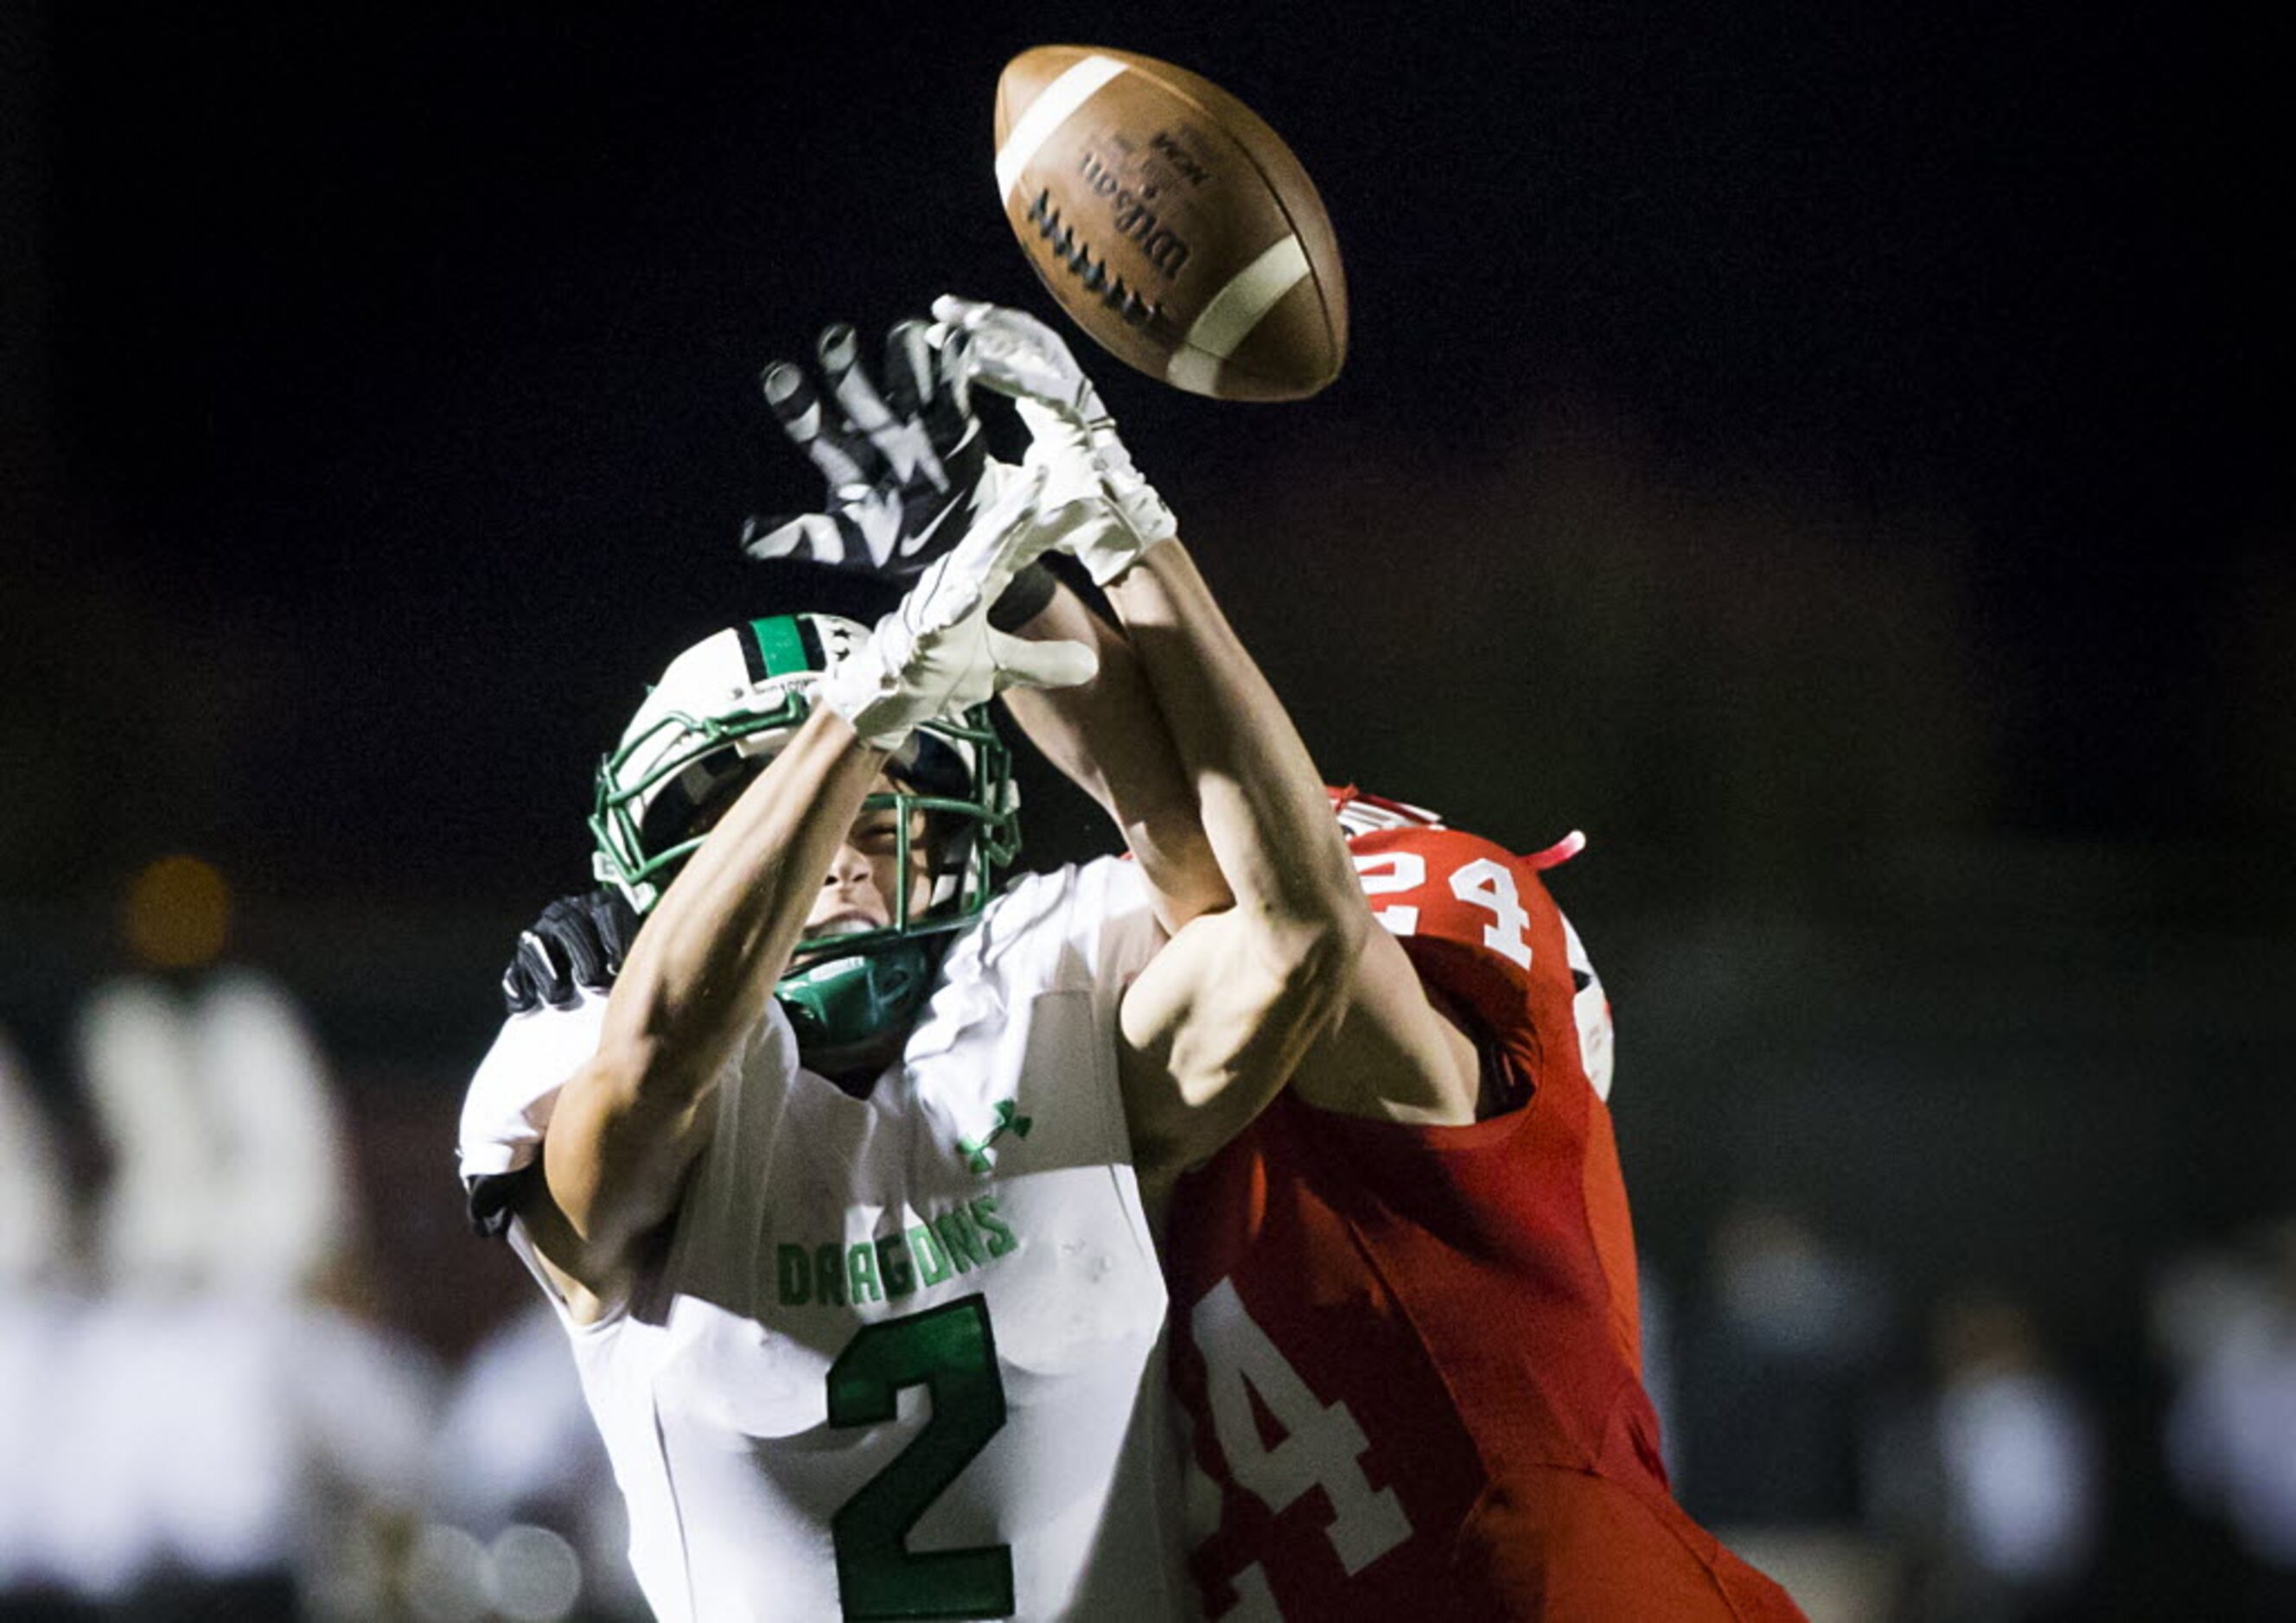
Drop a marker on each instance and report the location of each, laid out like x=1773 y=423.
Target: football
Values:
x=1171 y=223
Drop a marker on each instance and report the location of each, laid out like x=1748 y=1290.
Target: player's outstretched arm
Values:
x=696 y=981
x=1366 y=1043
x=1238 y=1006
x=697 y=978
x=1223 y=1015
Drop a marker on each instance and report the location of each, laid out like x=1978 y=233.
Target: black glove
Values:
x=576 y=945
x=903 y=466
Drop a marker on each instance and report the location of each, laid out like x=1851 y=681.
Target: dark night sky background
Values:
x=1823 y=451
x=399 y=373
x=1774 y=436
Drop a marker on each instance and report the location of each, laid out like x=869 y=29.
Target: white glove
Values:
x=937 y=654
x=1070 y=430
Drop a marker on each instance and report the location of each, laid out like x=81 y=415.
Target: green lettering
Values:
x=961 y=1238
x=1000 y=1239
x=791 y=1274
x=932 y=1262
x=829 y=1273
x=861 y=1268
x=893 y=1263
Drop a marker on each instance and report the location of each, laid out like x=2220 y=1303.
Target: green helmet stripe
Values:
x=780 y=646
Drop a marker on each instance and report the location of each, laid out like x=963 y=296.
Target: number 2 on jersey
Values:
x=949 y=1350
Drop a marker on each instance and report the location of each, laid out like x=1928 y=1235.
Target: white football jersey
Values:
x=901 y=1355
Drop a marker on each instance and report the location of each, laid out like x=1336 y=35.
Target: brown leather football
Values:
x=1171 y=223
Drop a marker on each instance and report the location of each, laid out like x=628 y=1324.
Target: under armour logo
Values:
x=978 y=1156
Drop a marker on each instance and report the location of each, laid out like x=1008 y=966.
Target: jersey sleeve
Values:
x=506 y=1112
x=516 y=1087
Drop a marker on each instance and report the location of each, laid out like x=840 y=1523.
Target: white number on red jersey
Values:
x=1322 y=1446
x=1481 y=883
x=1487 y=884
x=1386 y=873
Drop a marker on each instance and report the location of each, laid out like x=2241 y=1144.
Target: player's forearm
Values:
x=701 y=972
x=1221 y=1019
x=1262 y=803
x=694 y=985
x=1110 y=738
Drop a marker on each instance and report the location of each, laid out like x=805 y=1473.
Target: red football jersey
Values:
x=1409 y=1357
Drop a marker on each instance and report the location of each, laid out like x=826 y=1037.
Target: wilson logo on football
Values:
x=1162 y=246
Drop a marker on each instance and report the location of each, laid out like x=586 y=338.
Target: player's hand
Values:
x=937 y=654
x=905 y=466
x=1016 y=355
x=576 y=946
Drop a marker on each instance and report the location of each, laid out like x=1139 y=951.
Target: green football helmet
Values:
x=724 y=708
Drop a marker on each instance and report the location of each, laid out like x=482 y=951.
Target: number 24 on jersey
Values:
x=1480 y=884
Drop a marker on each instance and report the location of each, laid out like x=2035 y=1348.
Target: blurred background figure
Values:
x=154 y=1229
x=1996 y=1473
x=36 y=1286
x=36 y=1211
x=1778 y=1365
x=244 y=1437
x=2226 y=1324
x=279 y=1205
x=125 y=1384
x=36 y=1240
